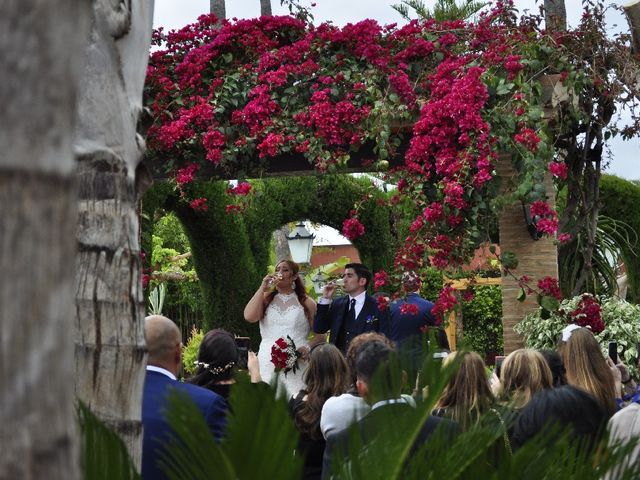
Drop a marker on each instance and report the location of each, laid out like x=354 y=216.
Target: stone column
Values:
x=537 y=258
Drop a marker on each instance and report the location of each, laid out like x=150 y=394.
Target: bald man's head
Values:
x=163 y=342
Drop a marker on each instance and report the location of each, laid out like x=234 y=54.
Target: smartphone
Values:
x=243 y=344
x=613 y=352
x=499 y=360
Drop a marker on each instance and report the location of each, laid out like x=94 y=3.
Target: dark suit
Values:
x=156 y=430
x=406 y=329
x=386 y=420
x=333 y=317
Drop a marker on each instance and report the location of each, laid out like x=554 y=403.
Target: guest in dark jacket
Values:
x=163 y=365
x=390 y=413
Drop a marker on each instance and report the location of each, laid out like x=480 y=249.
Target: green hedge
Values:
x=620 y=200
x=231 y=252
x=482 y=321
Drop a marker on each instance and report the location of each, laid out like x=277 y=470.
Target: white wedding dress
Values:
x=284 y=316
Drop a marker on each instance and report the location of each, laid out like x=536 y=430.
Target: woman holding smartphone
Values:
x=282 y=307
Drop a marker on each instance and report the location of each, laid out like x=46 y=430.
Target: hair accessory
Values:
x=566 y=332
x=214 y=370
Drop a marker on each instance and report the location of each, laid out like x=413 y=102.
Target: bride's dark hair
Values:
x=299 y=289
x=325 y=377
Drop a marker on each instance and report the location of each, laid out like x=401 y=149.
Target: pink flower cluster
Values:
x=548 y=286
x=380 y=279
x=352 y=228
x=185 y=175
x=588 y=314
x=546 y=218
x=528 y=138
x=559 y=169
x=445 y=302
x=241 y=189
x=200 y=205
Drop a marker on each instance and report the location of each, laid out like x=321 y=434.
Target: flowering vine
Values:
x=236 y=96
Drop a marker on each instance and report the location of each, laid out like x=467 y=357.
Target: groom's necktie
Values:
x=352 y=309
x=347 y=323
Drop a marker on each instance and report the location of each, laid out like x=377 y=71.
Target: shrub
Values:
x=621 y=320
x=482 y=320
x=190 y=351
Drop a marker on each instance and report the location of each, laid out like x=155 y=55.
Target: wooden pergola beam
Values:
x=291 y=164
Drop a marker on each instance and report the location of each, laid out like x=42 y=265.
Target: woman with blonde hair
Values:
x=467 y=396
x=524 y=373
x=586 y=368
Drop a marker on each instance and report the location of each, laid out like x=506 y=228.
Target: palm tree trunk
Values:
x=110 y=351
x=265 y=8
x=632 y=11
x=555 y=14
x=41 y=62
x=217 y=7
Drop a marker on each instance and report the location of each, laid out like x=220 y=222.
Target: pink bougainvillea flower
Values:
x=408 y=309
x=380 y=279
x=559 y=169
x=528 y=138
x=185 y=175
x=352 y=228
x=199 y=205
x=564 y=237
x=241 y=189
x=549 y=286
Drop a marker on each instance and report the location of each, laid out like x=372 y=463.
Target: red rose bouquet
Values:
x=285 y=355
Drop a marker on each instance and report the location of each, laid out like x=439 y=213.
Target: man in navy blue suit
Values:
x=353 y=314
x=164 y=344
x=408 y=318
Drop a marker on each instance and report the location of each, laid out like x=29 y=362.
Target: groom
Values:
x=350 y=315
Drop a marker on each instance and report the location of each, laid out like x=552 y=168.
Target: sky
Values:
x=172 y=14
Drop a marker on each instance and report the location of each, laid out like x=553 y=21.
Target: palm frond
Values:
x=104 y=455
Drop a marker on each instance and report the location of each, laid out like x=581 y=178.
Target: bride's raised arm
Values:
x=254 y=310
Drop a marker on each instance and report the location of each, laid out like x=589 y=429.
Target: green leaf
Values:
x=549 y=303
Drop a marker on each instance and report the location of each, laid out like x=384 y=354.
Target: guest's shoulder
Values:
x=196 y=391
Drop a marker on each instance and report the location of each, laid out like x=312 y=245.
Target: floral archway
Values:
x=235 y=99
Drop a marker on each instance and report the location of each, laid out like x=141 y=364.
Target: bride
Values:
x=281 y=311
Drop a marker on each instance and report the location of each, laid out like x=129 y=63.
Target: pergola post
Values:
x=536 y=258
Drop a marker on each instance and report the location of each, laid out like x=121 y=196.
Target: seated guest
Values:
x=326 y=376
x=568 y=409
x=164 y=345
x=341 y=411
x=217 y=363
x=554 y=360
x=524 y=373
x=587 y=368
x=390 y=412
x=467 y=396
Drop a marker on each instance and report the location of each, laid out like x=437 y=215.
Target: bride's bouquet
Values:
x=285 y=355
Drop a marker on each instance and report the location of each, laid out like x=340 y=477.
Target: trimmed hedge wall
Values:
x=231 y=252
x=482 y=322
x=620 y=200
